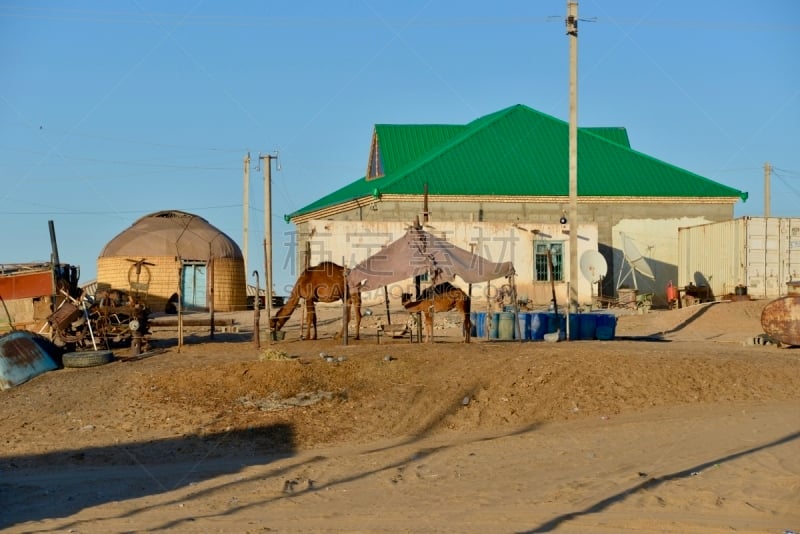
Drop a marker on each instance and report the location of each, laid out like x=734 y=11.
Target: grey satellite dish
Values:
x=593 y=266
x=635 y=257
x=635 y=260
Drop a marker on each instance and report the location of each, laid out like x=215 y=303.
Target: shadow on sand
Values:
x=651 y=483
x=60 y=484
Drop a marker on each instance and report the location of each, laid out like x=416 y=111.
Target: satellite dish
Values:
x=635 y=258
x=593 y=266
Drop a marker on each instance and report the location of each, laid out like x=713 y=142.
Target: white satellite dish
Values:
x=593 y=266
x=636 y=262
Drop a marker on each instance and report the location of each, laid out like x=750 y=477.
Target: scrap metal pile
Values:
x=111 y=318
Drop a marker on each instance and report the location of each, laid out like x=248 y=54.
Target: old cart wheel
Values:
x=87 y=358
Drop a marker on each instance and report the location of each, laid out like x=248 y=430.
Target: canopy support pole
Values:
x=488 y=308
x=516 y=308
x=345 y=306
x=386 y=301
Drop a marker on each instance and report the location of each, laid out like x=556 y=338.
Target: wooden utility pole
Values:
x=246 y=208
x=268 y=229
x=267 y=293
x=257 y=314
x=767 y=177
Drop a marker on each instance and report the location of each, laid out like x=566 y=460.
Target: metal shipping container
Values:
x=761 y=254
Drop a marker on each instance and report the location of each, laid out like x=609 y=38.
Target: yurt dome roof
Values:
x=172 y=233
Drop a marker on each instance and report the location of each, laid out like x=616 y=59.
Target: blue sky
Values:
x=113 y=110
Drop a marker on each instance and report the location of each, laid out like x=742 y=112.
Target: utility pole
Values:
x=572 y=32
x=268 y=228
x=767 y=177
x=246 y=212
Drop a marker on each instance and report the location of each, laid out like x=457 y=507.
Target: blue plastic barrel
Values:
x=606 y=326
x=524 y=320
x=539 y=326
x=574 y=326
x=494 y=331
x=556 y=322
x=479 y=324
x=587 y=325
x=505 y=326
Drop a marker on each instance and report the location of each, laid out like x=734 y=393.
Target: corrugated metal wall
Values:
x=760 y=253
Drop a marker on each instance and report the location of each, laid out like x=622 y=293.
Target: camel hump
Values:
x=327 y=267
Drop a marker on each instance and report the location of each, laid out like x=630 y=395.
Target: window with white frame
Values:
x=541 y=270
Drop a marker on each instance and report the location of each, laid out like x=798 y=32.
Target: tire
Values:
x=87 y=358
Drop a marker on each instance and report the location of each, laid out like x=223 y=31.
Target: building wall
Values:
x=653 y=224
x=656 y=241
x=162 y=279
x=351 y=242
x=230 y=291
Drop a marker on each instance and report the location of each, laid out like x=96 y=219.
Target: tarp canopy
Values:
x=419 y=252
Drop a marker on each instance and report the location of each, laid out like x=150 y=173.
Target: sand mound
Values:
x=219 y=403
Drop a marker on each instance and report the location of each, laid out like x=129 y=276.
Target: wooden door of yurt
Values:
x=193 y=286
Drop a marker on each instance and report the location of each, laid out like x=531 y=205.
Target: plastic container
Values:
x=539 y=326
x=587 y=325
x=494 y=331
x=556 y=323
x=506 y=326
x=574 y=326
x=606 y=326
x=524 y=320
x=478 y=324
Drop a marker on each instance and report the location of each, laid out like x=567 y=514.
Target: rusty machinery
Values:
x=111 y=318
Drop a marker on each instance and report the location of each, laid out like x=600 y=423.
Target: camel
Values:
x=440 y=298
x=321 y=283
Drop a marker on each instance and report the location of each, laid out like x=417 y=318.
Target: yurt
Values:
x=171 y=253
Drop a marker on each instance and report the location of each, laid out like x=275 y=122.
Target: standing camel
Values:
x=440 y=298
x=321 y=283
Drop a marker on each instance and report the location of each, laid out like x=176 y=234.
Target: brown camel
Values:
x=321 y=283
x=440 y=298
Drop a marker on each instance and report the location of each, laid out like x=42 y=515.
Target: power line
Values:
x=786 y=171
x=139 y=17
x=72 y=133
x=131 y=163
x=105 y=213
x=785 y=182
x=149 y=18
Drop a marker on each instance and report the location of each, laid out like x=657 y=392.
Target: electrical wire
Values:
x=785 y=171
x=149 y=18
x=60 y=211
x=785 y=182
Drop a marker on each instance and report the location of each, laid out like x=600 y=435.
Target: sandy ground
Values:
x=682 y=424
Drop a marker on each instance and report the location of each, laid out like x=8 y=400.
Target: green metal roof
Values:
x=400 y=144
x=616 y=134
x=517 y=151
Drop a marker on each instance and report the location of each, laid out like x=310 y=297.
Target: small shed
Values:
x=168 y=250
